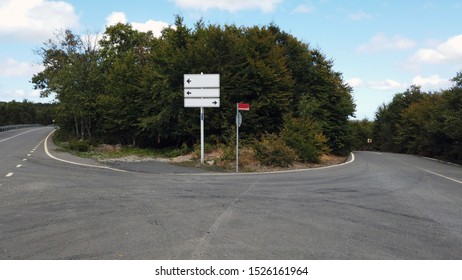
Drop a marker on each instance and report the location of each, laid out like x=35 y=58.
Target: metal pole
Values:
x=237 y=138
x=202 y=135
x=202 y=132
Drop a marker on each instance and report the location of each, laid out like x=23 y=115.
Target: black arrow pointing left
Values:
x=188 y=92
x=188 y=81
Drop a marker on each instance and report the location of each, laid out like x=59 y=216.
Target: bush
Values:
x=305 y=137
x=61 y=135
x=79 y=145
x=197 y=149
x=183 y=150
x=272 y=151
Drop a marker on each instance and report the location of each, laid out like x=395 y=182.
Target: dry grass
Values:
x=248 y=162
x=220 y=159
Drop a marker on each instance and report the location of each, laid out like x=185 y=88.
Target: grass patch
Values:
x=84 y=149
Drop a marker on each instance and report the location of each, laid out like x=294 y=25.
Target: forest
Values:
x=25 y=112
x=127 y=88
x=422 y=123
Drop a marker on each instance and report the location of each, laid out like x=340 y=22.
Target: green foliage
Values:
x=422 y=123
x=305 y=137
x=361 y=132
x=25 y=113
x=129 y=88
x=79 y=145
x=197 y=149
x=388 y=120
x=271 y=150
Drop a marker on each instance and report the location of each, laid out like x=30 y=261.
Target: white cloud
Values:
x=449 y=51
x=360 y=16
x=23 y=94
x=303 y=9
x=229 y=5
x=385 y=85
x=13 y=68
x=355 y=82
x=155 y=26
x=151 y=25
x=115 y=18
x=382 y=42
x=35 y=20
x=20 y=94
x=433 y=82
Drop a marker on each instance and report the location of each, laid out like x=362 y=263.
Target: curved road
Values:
x=381 y=206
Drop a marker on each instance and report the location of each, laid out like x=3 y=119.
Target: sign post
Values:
x=243 y=107
x=200 y=91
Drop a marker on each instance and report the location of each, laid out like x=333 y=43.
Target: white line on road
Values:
x=45 y=145
x=3 y=140
x=28 y=155
x=18 y=166
x=442 y=176
x=9 y=174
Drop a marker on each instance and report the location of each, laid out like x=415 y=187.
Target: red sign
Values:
x=243 y=106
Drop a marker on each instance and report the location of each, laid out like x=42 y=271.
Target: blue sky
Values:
x=380 y=47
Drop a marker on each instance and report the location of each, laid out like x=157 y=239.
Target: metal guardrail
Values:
x=17 y=126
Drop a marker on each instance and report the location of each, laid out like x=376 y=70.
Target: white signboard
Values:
x=201 y=80
x=202 y=102
x=201 y=92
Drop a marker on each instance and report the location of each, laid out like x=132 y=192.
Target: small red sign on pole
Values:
x=243 y=106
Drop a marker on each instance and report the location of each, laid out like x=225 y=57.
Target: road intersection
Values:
x=380 y=206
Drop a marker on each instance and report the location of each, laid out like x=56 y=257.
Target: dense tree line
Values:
x=423 y=123
x=25 y=112
x=361 y=138
x=128 y=88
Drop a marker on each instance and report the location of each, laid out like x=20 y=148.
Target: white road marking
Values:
x=3 y=140
x=9 y=174
x=446 y=162
x=24 y=159
x=18 y=166
x=28 y=155
x=45 y=145
x=442 y=176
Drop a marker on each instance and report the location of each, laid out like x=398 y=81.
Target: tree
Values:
x=71 y=73
x=422 y=123
x=361 y=133
x=25 y=112
x=129 y=89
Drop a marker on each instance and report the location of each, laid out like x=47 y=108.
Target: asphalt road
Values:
x=380 y=206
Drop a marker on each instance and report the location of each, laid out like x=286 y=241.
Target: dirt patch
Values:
x=135 y=158
x=216 y=158
x=105 y=148
x=250 y=165
x=248 y=162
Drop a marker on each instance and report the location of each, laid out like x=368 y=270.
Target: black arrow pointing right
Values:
x=214 y=103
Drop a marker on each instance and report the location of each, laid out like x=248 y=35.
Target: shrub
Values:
x=271 y=150
x=197 y=149
x=305 y=137
x=79 y=145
